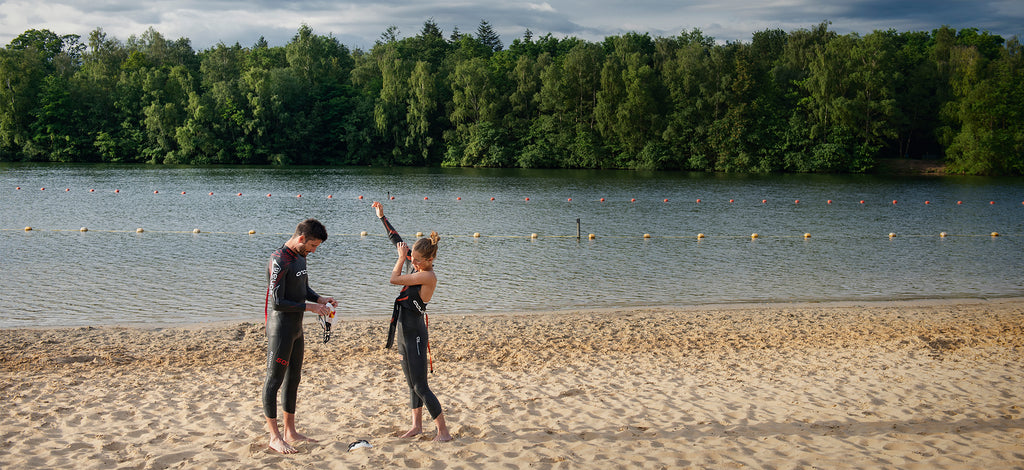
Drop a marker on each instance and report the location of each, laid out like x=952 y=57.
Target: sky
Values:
x=358 y=25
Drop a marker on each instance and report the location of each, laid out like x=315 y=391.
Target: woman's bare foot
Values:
x=412 y=433
x=279 y=445
x=442 y=437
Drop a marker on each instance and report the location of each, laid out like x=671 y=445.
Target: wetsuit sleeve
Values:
x=392 y=233
x=311 y=295
x=279 y=272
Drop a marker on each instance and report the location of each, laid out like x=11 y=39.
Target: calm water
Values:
x=56 y=275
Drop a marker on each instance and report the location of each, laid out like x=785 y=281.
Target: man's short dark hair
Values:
x=311 y=229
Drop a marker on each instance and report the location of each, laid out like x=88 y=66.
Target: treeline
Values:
x=803 y=101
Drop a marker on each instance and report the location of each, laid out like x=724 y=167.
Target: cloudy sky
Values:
x=359 y=24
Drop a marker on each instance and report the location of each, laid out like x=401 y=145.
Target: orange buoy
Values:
x=730 y=201
x=211 y=193
x=42 y=189
x=927 y=202
x=666 y=200
x=330 y=196
x=862 y=201
x=991 y=202
x=830 y=201
x=959 y=202
x=527 y=199
x=796 y=201
x=18 y=188
x=239 y=194
x=156 y=192
x=183 y=192
x=268 y=194
x=117 y=190
x=602 y=199
x=458 y=198
x=894 y=202
x=67 y=189
x=492 y=198
x=570 y=199
x=392 y=198
x=764 y=201
x=360 y=196
x=698 y=201
x=634 y=200
x=92 y=190
x=298 y=195
x=424 y=198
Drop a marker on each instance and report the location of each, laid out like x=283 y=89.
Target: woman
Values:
x=408 y=322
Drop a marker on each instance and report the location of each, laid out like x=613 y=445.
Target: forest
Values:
x=808 y=100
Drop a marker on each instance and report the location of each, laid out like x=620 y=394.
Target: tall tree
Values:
x=488 y=37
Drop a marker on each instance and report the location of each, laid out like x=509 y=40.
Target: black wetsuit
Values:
x=408 y=323
x=288 y=291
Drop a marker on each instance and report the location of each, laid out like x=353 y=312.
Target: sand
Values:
x=905 y=385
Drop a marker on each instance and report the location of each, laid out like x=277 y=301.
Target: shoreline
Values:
x=896 y=384
x=930 y=301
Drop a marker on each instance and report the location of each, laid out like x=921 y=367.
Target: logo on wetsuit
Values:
x=300 y=273
x=282 y=361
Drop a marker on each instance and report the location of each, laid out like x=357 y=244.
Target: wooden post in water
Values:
x=577 y=229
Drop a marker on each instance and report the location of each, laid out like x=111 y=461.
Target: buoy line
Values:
x=696 y=201
x=700 y=237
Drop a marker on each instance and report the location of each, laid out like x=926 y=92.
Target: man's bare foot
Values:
x=442 y=437
x=295 y=437
x=279 y=445
x=412 y=433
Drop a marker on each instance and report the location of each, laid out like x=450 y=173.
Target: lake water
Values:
x=56 y=275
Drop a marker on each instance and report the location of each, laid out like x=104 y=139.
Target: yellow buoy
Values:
x=647 y=235
x=252 y=232
x=700 y=236
x=419 y=234
x=363 y=233
x=807 y=235
x=195 y=230
x=892 y=235
x=942 y=235
x=995 y=234
x=533 y=235
x=83 y=229
x=476 y=234
x=591 y=236
x=754 y=236
x=28 y=229
x=139 y=230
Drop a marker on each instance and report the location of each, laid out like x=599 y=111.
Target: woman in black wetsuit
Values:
x=408 y=323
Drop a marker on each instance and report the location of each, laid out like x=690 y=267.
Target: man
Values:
x=287 y=294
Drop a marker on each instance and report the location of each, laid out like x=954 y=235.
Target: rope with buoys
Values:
x=532 y=236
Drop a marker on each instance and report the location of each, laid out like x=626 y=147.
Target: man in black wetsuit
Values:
x=288 y=292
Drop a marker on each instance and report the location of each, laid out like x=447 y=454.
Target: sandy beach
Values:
x=924 y=384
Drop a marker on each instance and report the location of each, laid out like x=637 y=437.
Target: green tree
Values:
x=488 y=37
